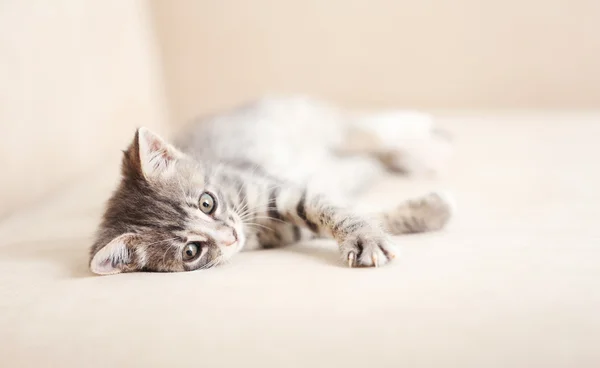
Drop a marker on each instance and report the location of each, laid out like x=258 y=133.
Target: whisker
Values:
x=253 y=218
x=270 y=218
x=245 y=201
x=261 y=193
x=259 y=225
x=164 y=257
x=259 y=209
x=248 y=214
x=240 y=190
x=253 y=214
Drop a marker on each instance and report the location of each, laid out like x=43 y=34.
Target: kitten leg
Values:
x=361 y=242
x=403 y=141
x=428 y=213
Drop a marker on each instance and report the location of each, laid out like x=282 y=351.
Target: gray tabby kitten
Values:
x=265 y=175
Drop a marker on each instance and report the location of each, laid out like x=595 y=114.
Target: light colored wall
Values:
x=430 y=53
x=76 y=78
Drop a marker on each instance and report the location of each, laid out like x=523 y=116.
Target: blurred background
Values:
x=76 y=77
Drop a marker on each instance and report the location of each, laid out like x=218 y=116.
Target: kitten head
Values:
x=169 y=213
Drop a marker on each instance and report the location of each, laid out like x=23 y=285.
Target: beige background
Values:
x=78 y=76
x=439 y=54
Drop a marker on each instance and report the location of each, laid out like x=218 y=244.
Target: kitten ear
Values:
x=113 y=257
x=150 y=155
x=156 y=155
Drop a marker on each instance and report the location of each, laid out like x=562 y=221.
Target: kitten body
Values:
x=308 y=142
x=267 y=174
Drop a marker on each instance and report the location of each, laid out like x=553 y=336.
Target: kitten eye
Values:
x=208 y=204
x=191 y=251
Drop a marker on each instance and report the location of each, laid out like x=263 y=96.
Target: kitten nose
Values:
x=231 y=238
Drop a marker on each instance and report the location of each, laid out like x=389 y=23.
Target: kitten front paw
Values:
x=367 y=249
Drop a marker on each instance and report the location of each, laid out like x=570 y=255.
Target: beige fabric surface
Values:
x=513 y=282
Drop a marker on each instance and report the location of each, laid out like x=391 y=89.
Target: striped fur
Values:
x=262 y=198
